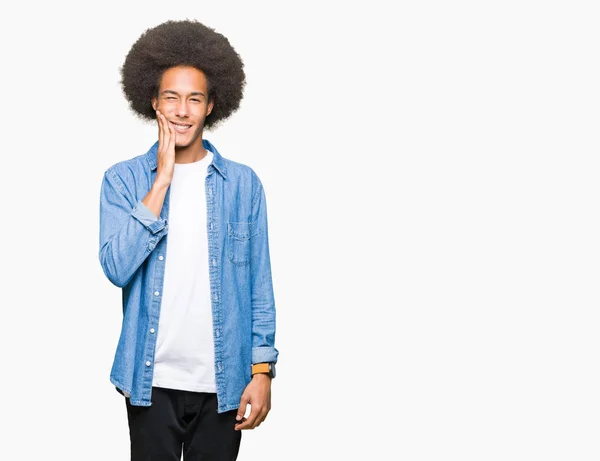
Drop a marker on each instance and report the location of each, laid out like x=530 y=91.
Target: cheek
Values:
x=199 y=112
x=166 y=106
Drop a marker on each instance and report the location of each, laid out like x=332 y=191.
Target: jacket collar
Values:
x=217 y=161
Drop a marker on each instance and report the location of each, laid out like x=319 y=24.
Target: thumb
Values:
x=242 y=408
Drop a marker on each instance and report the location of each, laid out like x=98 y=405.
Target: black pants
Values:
x=182 y=420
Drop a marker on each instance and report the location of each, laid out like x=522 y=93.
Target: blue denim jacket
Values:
x=133 y=251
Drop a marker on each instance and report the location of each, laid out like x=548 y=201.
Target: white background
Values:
x=432 y=180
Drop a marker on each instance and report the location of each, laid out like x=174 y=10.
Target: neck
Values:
x=192 y=153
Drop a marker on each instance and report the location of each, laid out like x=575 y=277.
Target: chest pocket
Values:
x=238 y=241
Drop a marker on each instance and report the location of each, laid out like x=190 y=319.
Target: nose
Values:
x=182 y=108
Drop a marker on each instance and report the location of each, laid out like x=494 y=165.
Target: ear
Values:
x=211 y=103
x=154 y=103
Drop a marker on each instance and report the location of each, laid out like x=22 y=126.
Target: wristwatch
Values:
x=267 y=367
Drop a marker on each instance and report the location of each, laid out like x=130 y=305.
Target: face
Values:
x=182 y=99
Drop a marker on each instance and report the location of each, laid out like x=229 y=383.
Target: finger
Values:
x=242 y=408
x=253 y=416
x=247 y=423
x=160 y=129
x=242 y=425
x=166 y=132
x=171 y=137
x=261 y=417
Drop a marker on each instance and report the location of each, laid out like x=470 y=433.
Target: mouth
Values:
x=181 y=127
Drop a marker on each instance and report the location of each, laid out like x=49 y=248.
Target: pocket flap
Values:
x=242 y=230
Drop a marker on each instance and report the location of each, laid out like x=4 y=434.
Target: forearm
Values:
x=128 y=233
x=263 y=304
x=155 y=198
x=263 y=300
x=263 y=326
x=126 y=250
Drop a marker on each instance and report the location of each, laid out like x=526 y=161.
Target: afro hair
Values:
x=183 y=43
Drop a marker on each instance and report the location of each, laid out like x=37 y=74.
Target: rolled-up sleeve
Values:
x=143 y=214
x=263 y=300
x=129 y=231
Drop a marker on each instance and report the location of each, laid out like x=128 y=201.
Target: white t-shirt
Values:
x=184 y=355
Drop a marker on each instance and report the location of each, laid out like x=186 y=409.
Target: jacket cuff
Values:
x=264 y=354
x=148 y=219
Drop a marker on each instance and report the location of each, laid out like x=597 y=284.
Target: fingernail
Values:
x=238 y=417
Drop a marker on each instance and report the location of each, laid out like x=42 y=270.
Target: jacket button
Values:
x=156 y=293
x=148 y=363
x=161 y=257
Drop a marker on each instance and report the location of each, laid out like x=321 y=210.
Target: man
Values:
x=183 y=232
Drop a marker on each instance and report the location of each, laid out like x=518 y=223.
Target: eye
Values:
x=170 y=98
x=195 y=100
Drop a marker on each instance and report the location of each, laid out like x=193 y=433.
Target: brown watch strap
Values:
x=260 y=368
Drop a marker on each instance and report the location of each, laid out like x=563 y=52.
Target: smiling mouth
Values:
x=181 y=127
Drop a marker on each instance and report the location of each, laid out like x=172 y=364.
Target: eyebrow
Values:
x=193 y=93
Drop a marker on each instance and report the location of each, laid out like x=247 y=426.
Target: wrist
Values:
x=261 y=377
x=267 y=368
x=161 y=184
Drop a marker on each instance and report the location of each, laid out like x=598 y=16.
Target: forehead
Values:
x=183 y=79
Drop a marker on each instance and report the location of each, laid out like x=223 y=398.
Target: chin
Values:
x=182 y=143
